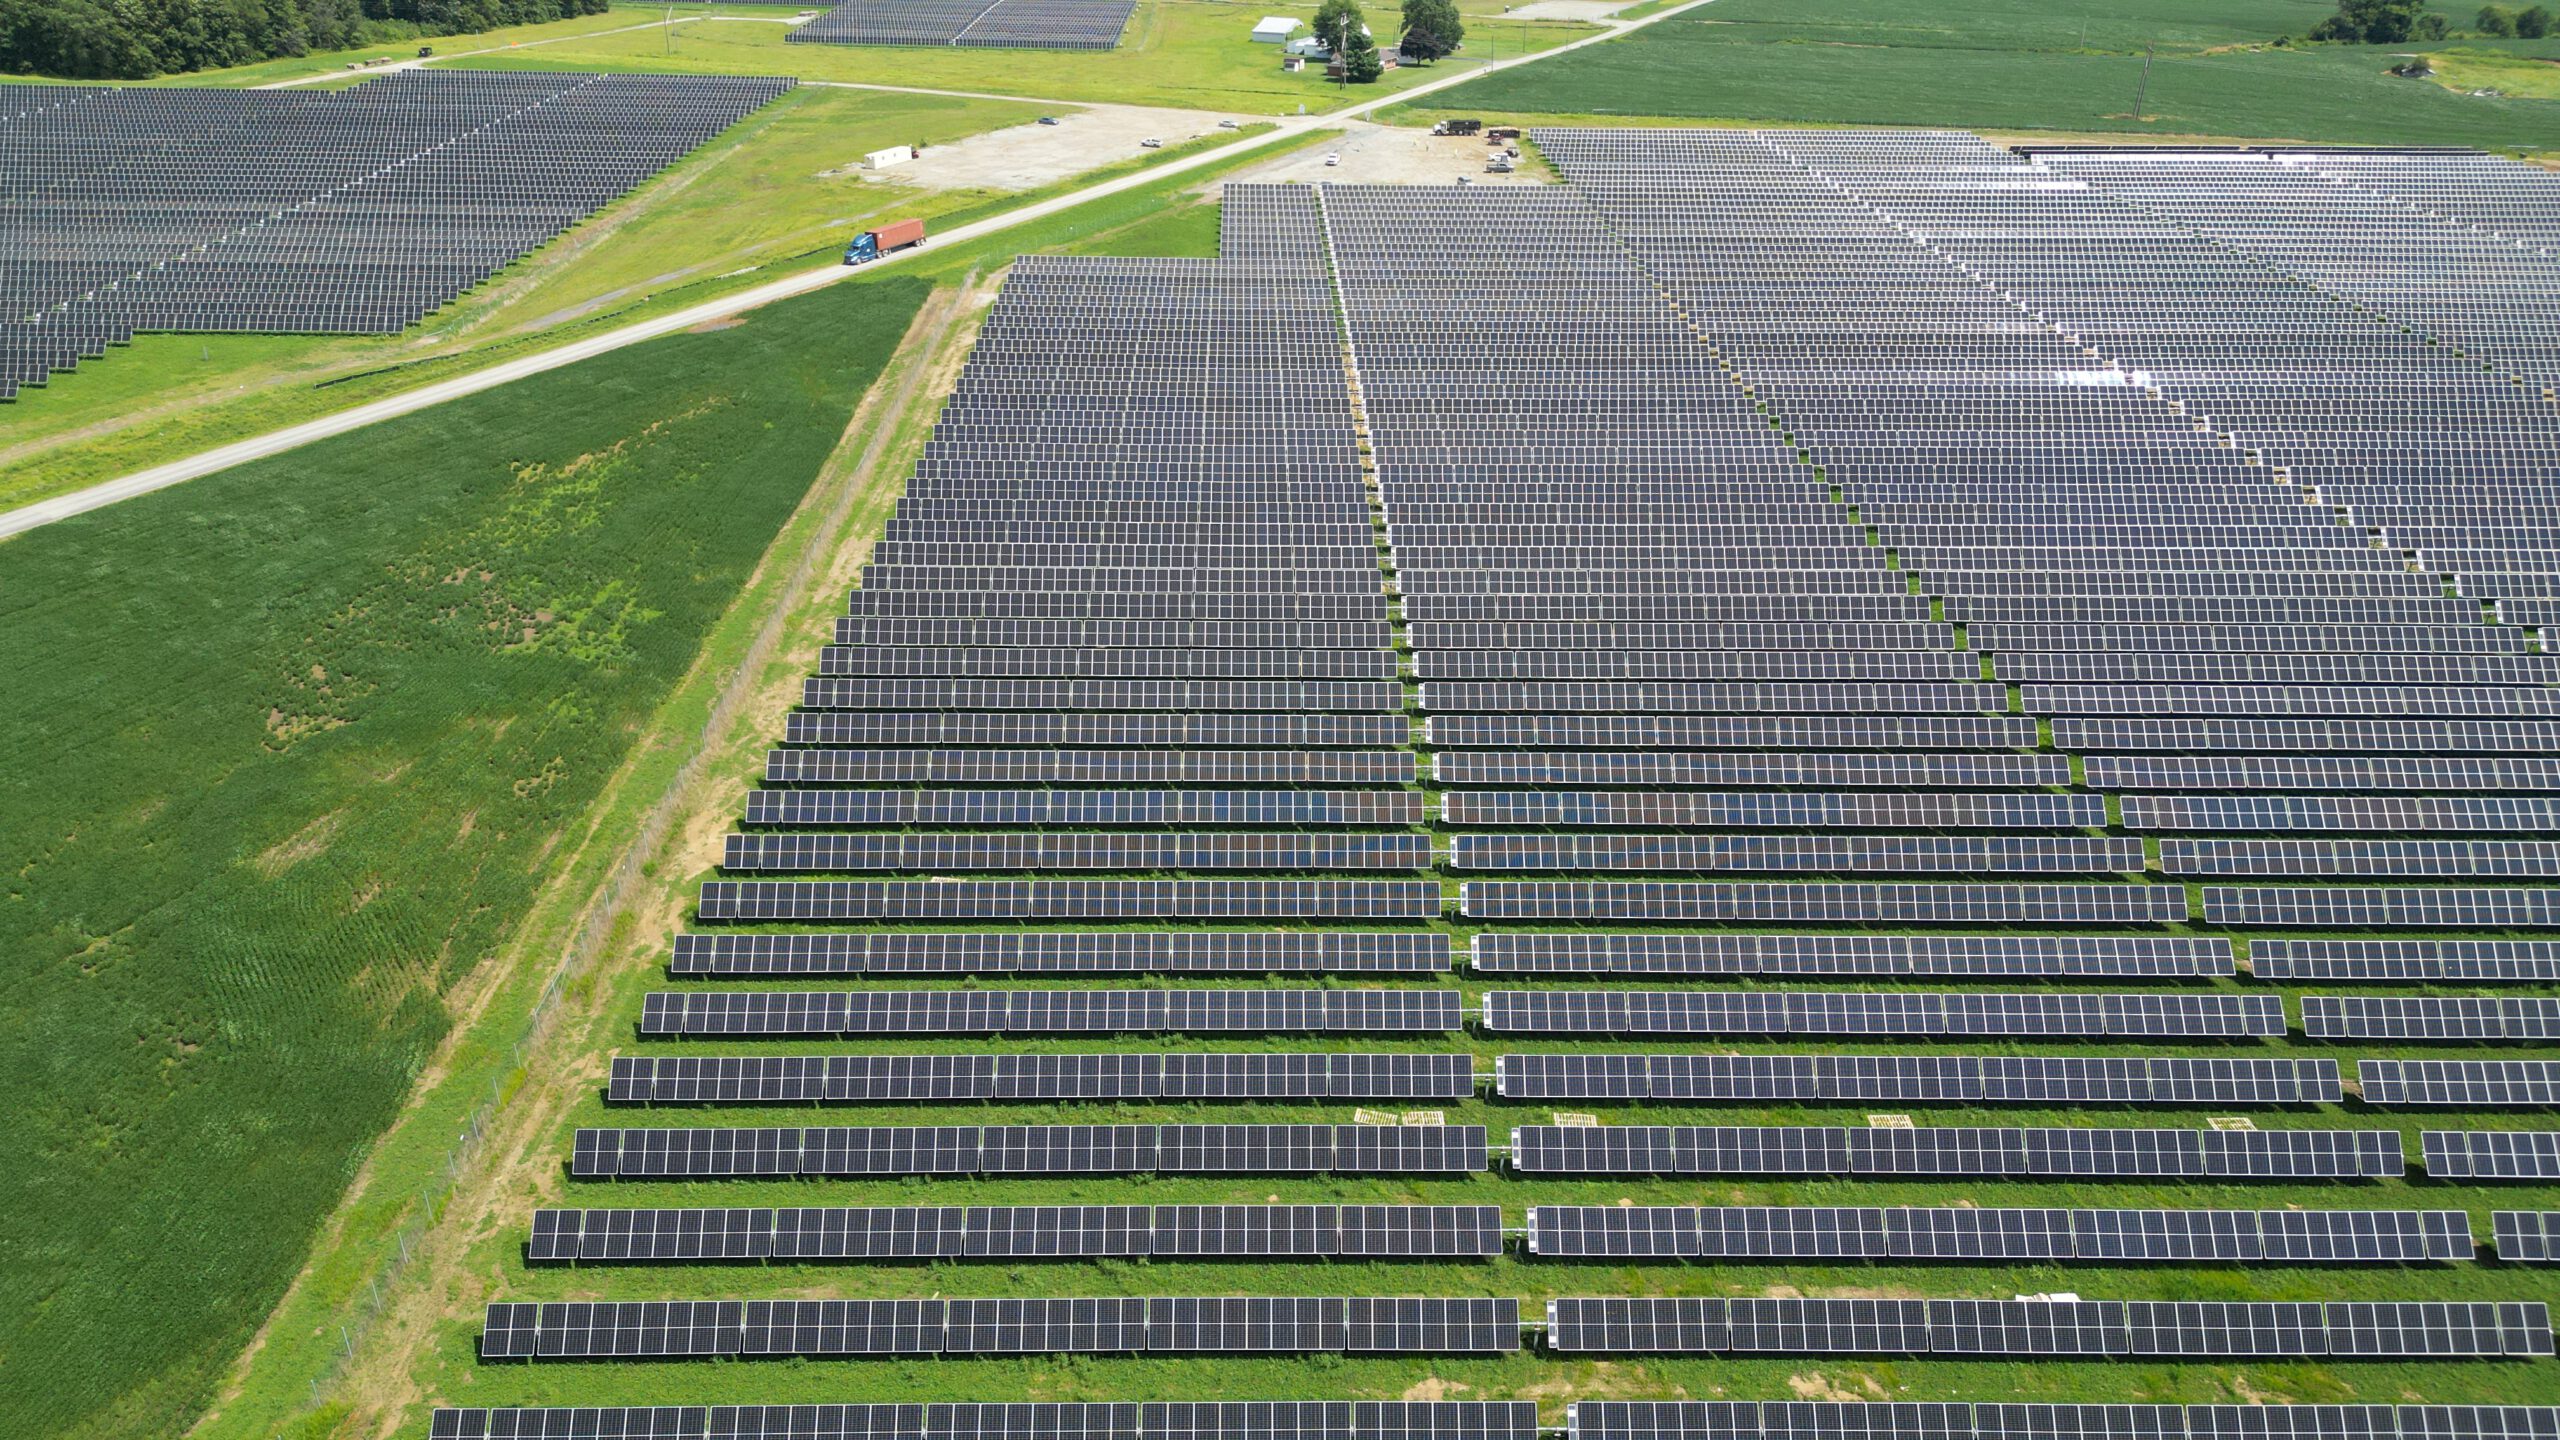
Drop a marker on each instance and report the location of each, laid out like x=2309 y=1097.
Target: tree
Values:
x=1432 y=30
x=2373 y=22
x=2493 y=21
x=1360 y=62
x=2533 y=22
x=1336 y=20
x=2430 y=26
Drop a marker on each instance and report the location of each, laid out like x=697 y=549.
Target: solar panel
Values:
x=856 y=1013
x=1019 y=1232
x=2527 y=1237
x=1743 y=1012
x=2491 y=1154
x=1916 y=1079
x=2381 y=961
x=1853 y=1420
x=2431 y=1018
x=2476 y=1083
x=1047 y=953
x=1618 y=1325
x=2058 y=957
x=1778 y=903
x=720 y=1153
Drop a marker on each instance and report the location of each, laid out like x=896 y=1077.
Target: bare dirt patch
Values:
x=725 y=322
x=1813 y=1385
x=1385 y=155
x=1026 y=157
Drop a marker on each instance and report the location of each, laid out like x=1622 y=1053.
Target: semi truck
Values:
x=870 y=245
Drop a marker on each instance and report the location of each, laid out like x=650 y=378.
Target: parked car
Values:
x=1048 y=119
x=1151 y=143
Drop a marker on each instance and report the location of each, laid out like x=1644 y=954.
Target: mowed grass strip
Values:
x=2020 y=65
x=290 y=750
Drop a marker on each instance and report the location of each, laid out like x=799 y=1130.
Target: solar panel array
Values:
x=1841 y=562
x=1853 y=1420
x=353 y=211
x=1053 y=1420
x=1960 y=1151
x=971 y=24
x=1184 y=1325
x=2127 y=1329
x=851 y=1151
x=1018 y=1232
x=2089 y=1237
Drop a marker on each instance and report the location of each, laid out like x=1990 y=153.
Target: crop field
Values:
x=2028 y=66
x=1187 y=54
x=291 y=750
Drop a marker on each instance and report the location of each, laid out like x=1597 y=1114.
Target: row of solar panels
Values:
x=1020 y=1232
x=2086 y=1237
x=2472 y=704
x=1565 y=1232
x=1456 y=734
x=2112 y=1329
x=2032 y=1420
x=2051 y=957
x=979 y=853
x=1913 y=1079
x=1503 y=1420
x=876 y=1079
x=1163 y=1325
x=1809 y=1151
x=858 y=1013
x=820 y=1151
x=1246 y=1324
x=1022 y=1420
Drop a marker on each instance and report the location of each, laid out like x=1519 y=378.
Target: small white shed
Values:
x=1276 y=29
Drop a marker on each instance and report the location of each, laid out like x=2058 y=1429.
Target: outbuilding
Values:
x=1276 y=29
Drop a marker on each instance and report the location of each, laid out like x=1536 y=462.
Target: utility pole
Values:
x=2142 y=92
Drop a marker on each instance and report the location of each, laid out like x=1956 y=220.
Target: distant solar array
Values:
x=347 y=211
x=972 y=24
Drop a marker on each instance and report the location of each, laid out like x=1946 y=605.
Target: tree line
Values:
x=2396 y=22
x=140 y=39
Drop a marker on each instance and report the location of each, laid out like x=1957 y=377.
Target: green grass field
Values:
x=2022 y=65
x=292 y=749
x=1189 y=54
